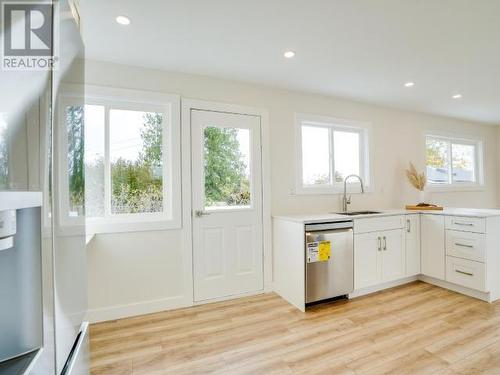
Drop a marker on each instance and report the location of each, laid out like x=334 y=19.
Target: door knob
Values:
x=200 y=213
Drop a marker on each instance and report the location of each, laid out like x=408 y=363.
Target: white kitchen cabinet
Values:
x=367 y=260
x=467 y=273
x=412 y=245
x=393 y=255
x=455 y=249
x=378 y=224
x=466 y=224
x=466 y=252
x=433 y=246
x=378 y=257
x=466 y=245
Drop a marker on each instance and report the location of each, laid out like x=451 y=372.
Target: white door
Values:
x=367 y=260
x=433 y=246
x=227 y=204
x=393 y=258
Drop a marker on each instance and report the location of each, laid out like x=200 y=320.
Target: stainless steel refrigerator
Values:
x=42 y=150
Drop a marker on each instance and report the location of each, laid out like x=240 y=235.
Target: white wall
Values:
x=142 y=272
x=135 y=273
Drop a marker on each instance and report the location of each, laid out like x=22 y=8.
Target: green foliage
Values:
x=434 y=154
x=151 y=136
x=76 y=147
x=137 y=186
x=225 y=177
x=135 y=189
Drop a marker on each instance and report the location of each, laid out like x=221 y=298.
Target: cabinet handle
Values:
x=464 y=224
x=408 y=225
x=464 y=273
x=464 y=245
x=379 y=240
x=385 y=244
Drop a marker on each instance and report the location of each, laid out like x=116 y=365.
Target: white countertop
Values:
x=322 y=217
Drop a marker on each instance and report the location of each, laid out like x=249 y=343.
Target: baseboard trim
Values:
x=150 y=307
x=134 y=309
x=426 y=279
x=379 y=287
x=230 y=297
x=456 y=288
x=176 y=302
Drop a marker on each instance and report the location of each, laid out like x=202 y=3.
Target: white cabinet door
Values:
x=393 y=255
x=412 y=244
x=367 y=260
x=433 y=246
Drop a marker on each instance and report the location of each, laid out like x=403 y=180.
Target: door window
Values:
x=227 y=166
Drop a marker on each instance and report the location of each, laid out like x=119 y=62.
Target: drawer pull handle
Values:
x=464 y=224
x=464 y=273
x=463 y=245
x=385 y=244
x=379 y=244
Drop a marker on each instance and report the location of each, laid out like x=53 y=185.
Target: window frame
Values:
x=478 y=143
x=225 y=209
x=126 y=99
x=362 y=128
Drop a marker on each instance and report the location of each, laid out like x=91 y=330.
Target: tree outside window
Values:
x=227 y=176
x=451 y=161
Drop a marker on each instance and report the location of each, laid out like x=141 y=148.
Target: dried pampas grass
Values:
x=418 y=180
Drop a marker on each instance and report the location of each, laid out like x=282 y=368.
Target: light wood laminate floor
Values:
x=413 y=329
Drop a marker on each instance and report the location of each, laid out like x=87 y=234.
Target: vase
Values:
x=423 y=197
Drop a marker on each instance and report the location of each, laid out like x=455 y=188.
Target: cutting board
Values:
x=423 y=208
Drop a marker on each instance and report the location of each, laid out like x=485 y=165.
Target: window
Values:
x=227 y=165
x=136 y=162
x=131 y=160
x=453 y=161
x=330 y=150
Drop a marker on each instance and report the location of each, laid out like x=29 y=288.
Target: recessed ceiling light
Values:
x=289 y=54
x=457 y=96
x=123 y=20
x=409 y=84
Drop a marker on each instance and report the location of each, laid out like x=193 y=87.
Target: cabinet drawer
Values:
x=377 y=224
x=467 y=245
x=466 y=273
x=466 y=224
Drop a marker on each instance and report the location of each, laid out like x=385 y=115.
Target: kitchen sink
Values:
x=355 y=213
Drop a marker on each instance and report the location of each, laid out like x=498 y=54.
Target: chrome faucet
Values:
x=346 y=201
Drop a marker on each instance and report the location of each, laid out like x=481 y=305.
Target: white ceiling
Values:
x=361 y=49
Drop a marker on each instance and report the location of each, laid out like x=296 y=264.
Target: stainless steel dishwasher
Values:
x=329 y=256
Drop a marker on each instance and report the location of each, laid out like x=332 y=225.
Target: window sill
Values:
x=335 y=190
x=97 y=226
x=454 y=188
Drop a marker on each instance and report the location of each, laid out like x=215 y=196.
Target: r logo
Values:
x=27 y=29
